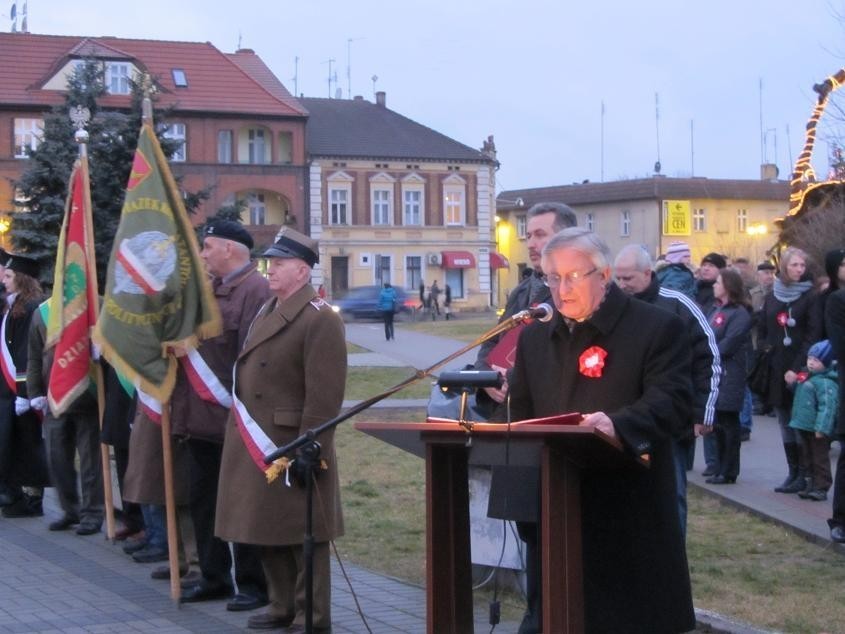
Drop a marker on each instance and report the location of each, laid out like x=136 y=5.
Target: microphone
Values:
x=540 y=312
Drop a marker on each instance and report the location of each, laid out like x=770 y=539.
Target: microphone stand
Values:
x=309 y=448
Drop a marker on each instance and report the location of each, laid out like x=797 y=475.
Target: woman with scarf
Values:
x=791 y=322
x=23 y=462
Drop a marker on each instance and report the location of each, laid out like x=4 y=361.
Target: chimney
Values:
x=768 y=172
x=358 y=98
x=381 y=99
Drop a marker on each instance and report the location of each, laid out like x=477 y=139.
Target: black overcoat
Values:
x=834 y=312
x=635 y=569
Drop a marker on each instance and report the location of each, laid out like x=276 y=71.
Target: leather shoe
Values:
x=267 y=621
x=242 y=602
x=709 y=471
x=88 y=528
x=163 y=572
x=150 y=554
x=204 y=591
x=837 y=534
x=720 y=479
x=134 y=546
x=64 y=523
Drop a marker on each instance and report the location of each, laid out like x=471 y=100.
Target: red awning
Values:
x=498 y=261
x=458 y=260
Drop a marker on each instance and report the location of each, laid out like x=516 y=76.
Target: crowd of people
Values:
x=713 y=333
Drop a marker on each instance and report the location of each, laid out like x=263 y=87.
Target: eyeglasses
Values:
x=572 y=278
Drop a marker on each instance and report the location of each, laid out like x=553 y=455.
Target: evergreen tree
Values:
x=113 y=136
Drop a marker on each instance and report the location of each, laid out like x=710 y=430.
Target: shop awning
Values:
x=457 y=260
x=498 y=261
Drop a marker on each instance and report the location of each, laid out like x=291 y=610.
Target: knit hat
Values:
x=766 y=266
x=823 y=351
x=715 y=259
x=677 y=251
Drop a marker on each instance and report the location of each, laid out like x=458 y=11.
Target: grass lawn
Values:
x=741 y=567
x=461 y=328
x=365 y=382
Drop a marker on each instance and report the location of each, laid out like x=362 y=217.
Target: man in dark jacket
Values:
x=632 y=384
x=200 y=408
x=708 y=271
x=76 y=431
x=633 y=269
x=835 y=325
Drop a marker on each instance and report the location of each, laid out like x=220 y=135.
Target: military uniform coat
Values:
x=635 y=569
x=291 y=377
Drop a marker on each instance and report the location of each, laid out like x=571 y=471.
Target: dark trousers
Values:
x=532 y=622
x=387 y=315
x=815 y=453
x=65 y=437
x=838 y=518
x=727 y=432
x=213 y=553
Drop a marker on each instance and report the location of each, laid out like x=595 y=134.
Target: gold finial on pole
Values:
x=148 y=88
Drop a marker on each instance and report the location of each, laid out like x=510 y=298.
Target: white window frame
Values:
x=699 y=220
x=521 y=226
x=590 y=221
x=742 y=220
x=413 y=199
x=177 y=131
x=27 y=135
x=257 y=208
x=229 y=146
x=625 y=223
x=256 y=144
x=339 y=199
x=381 y=199
x=454 y=201
x=117 y=78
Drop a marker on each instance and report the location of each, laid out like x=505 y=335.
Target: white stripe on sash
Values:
x=150 y=406
x=204 y=381
x=6 y=361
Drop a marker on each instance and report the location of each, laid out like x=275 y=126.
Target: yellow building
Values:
x=731 y=217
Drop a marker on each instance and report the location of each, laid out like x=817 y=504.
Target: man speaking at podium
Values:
x=620 y=363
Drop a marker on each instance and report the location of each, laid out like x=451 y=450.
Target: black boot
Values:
x=809 y=487
x=791 y=451
x=798 y=485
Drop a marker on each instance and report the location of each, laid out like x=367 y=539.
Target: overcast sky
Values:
x=534 y=73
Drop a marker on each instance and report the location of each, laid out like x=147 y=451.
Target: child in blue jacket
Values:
x=814 y=411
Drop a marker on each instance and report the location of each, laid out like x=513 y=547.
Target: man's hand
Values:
x=177 y=349
x=790 y=377
x=600 y=421
x=498 y=394
x=21 y=405
x=702 y=430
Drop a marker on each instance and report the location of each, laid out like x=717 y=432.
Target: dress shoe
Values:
x=204 y=591
x=837 y=534
x=134 y=546
x=816 y=495
x=189 y=580
x=88 y=528
x=720 y=479
x=267 y=621
x=25 y=506
x=709 y=471
x=163 y=572
x=242 y=602
x=64 y=523
x=150 y=554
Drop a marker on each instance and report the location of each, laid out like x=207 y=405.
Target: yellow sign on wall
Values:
x=677 y=220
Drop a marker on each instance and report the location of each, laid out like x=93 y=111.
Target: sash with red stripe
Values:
x=205 y=383
x=149 y=405
x=7 y=364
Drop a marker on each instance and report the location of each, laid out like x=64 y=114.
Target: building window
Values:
x=176 y=131
x=413 y=272
x=454 y=194
x=382 y=269
x=180 y=79
x=224 y=146
x=412 y=207
x=590 y=221
x=257 y=209
x=625 y=223
x=741 y=220
x=521 y=226
x=27 y=136
x=338 y=198
x=285 y=148
x=256 y=146
x=117 y=78
x=455 y=280
x=381 y=206
x=699 y=220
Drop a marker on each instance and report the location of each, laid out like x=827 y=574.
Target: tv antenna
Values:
x=349 y=64
x=375 y=79
x=657 y=165
x=295 y=75
x=330 y=61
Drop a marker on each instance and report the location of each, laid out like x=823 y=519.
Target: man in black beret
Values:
x=708 y=271
x=229 y=230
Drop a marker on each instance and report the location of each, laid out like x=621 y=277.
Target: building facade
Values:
x=732 y=217
x=243 y=134
x=394 y=201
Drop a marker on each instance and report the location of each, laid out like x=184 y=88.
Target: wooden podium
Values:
x=562 y=452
